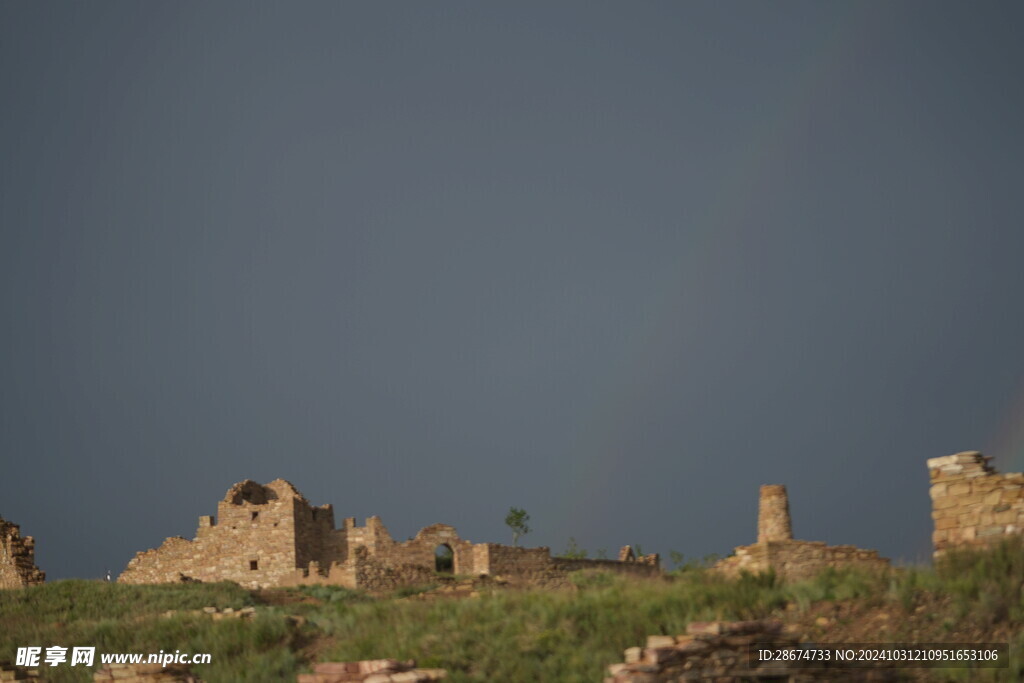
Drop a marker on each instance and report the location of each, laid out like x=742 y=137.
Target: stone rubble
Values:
x=719 y=651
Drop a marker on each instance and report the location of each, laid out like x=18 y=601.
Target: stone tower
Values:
x=773 y=522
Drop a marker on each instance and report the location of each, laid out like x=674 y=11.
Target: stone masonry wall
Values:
x=17 y=558
x=503 y=560
x=798 y=560
x=419 y=551
x=972 y=504
x=252 y=541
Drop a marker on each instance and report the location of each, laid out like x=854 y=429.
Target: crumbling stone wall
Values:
x=17 y=558
x=420 y=550
x=972 y=504
x=270 y=535
x=790 y=559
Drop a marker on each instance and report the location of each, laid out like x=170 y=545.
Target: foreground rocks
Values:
x=719 y=651
x=10 y=672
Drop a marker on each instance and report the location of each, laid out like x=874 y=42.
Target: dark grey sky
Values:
x=617 y=264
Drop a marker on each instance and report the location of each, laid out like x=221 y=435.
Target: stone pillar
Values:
x=773 y=522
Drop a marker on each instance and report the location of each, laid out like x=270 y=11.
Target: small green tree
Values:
x=677 y=559
x=516 y=520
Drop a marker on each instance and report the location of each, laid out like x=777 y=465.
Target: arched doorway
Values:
x=444 y=559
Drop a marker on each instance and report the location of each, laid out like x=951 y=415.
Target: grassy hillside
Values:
x=516 y=635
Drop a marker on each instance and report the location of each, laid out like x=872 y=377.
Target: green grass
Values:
x=119 y=618
x=507 y=635
x=540 y=635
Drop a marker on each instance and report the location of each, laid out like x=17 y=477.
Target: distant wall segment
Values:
x=270 y=535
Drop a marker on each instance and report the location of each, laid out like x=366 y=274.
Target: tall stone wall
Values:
x=972 y=504
x=17 y=558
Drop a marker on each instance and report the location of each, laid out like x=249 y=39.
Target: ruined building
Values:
x=17 y=558
x=271 y=536
x=790 y=559
x=972 y=504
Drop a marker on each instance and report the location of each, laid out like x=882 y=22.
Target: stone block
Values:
x=660 y=641
x=959 y=489
x=660 y=656
x=704 y=628
x=336 y=667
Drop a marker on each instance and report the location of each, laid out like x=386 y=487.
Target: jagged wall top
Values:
x=972 y=503
x=249 y=491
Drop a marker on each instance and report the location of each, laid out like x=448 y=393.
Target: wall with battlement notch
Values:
x=252 y=540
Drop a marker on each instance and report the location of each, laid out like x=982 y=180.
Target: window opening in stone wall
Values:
x=253 y=565
x=255 y=516
x=444 y=559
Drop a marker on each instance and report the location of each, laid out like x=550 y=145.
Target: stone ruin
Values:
x=17 y=558
x=972 y=504
x=267 y=536
x=790 y=559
